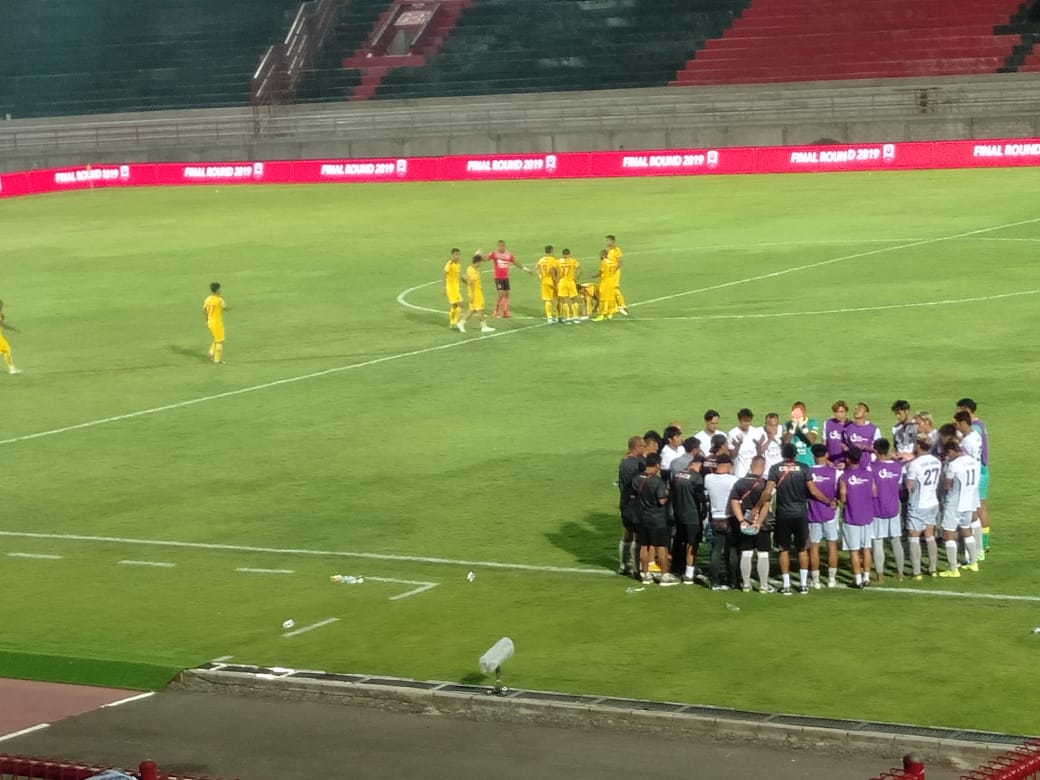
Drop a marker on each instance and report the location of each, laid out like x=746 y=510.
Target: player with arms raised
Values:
x=502 y=259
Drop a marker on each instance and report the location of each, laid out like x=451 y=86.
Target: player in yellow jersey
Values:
x=614 y=252
x=607 y=288
x=452 y=279
x=475 y=293
x=213 y=308
x=5 y=348
x=589 y=293
x=548 y=272
x=567 y=288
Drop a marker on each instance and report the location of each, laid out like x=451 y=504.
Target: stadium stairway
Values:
x=1025 y=24
x=374 y=62
x=505 y=46
x=776 y=41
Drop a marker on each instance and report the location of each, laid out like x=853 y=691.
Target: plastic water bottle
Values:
x=732 y=607
x=634 y=590
x=346 y=579
x=1036 y=630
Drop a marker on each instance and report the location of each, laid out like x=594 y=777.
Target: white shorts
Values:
x=918 y=519
x=820 y=531
x=952 y=520
x=887 y=527
x=856 y=537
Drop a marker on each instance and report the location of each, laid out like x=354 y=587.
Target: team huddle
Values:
x=799 y=488
x=565 y=297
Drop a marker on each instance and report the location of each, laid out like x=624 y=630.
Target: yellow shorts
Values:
x=548 y=290
x=476 y=303
x=5 y=348
x=568 y=289
x=454 y=296
x=217 y=331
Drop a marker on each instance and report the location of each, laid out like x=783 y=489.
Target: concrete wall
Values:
x=858 y=112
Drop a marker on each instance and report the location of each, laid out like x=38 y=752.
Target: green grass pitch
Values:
x=402 y=439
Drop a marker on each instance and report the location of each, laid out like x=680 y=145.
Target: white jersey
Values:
x=972 y=444
x=772 y=452
x=743 y=447
x=718 y=487
x=705 y=439
x=668 y=455
x=924 y=471
x=963 y=495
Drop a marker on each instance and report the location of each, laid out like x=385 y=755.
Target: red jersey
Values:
x=502 y=261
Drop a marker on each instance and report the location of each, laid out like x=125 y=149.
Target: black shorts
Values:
x=690 y=533
x=502 y=284
x=654 y=535
x=630 y=516
x=788 y=529
x=759 y=541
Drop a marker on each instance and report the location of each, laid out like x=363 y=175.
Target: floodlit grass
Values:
x=425 y=443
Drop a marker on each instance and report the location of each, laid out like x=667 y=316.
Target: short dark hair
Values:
x=963 y=416
x=652 y=434
x=653 y=459
x=853 y=454
x=723 y=459
x=548 y=248
x=611 y=237
x=745 y=412
x=710 y=414
x=952 y=445
x=968 y=404
x=717 y=441
x=818 y=450
x=882 y=446
x=634 y=441
x=214 y=286
x=477 y=257
x=788 y=451
x=566 y=251
x=900 y=405
x=671 y=431
x=691 y=443
x=455 y=249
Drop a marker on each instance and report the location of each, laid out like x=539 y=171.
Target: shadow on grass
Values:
x=473 y=678
x=197 y=355
x=592 y=541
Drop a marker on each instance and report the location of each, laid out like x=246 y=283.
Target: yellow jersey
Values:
x=214 y=307
x=569 y=267
x=607 y=271
x=614 y=255
x=473 y=284
x=452 y=273
x=547 y=266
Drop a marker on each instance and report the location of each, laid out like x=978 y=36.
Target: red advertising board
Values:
x=676 y=162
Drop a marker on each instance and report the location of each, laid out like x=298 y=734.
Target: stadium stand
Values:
x=1025 y=56
x=776 y=41
x=501 y=46
x=99 y=56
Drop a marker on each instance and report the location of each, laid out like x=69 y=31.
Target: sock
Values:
x=879 y=556
x=915 y=555
x=970 y=548
x=859 y=579
x=619 y=299
x=897 y=554
x=976 y=532
x=951 y=553
x=218 y=353
x=212 y=346
x=689 y=572
x=787 y=579
x=548 y=309
x=622 y=552
x=815 y=576
x=985 y=538
x=763 y=570
x=745 y=568
x=633 y=554
x=832 y=573
x=803 y=577
x=933 y=554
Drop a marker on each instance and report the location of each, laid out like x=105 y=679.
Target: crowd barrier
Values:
x=740 y=160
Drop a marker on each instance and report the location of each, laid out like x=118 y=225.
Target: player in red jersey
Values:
x=501 y=259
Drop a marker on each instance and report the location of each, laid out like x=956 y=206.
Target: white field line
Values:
x=833 y=260
x=23 y=732
x=850 y=310
x=952 y=594
x=156 y=564
x=423 y=586
x=402 y=299
x=265 y=571
x=129 y=699
x=34 y=556
x=299 y=551
x=311 y=627
x=264 y=386
x=222 y=659
x=452 y=344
